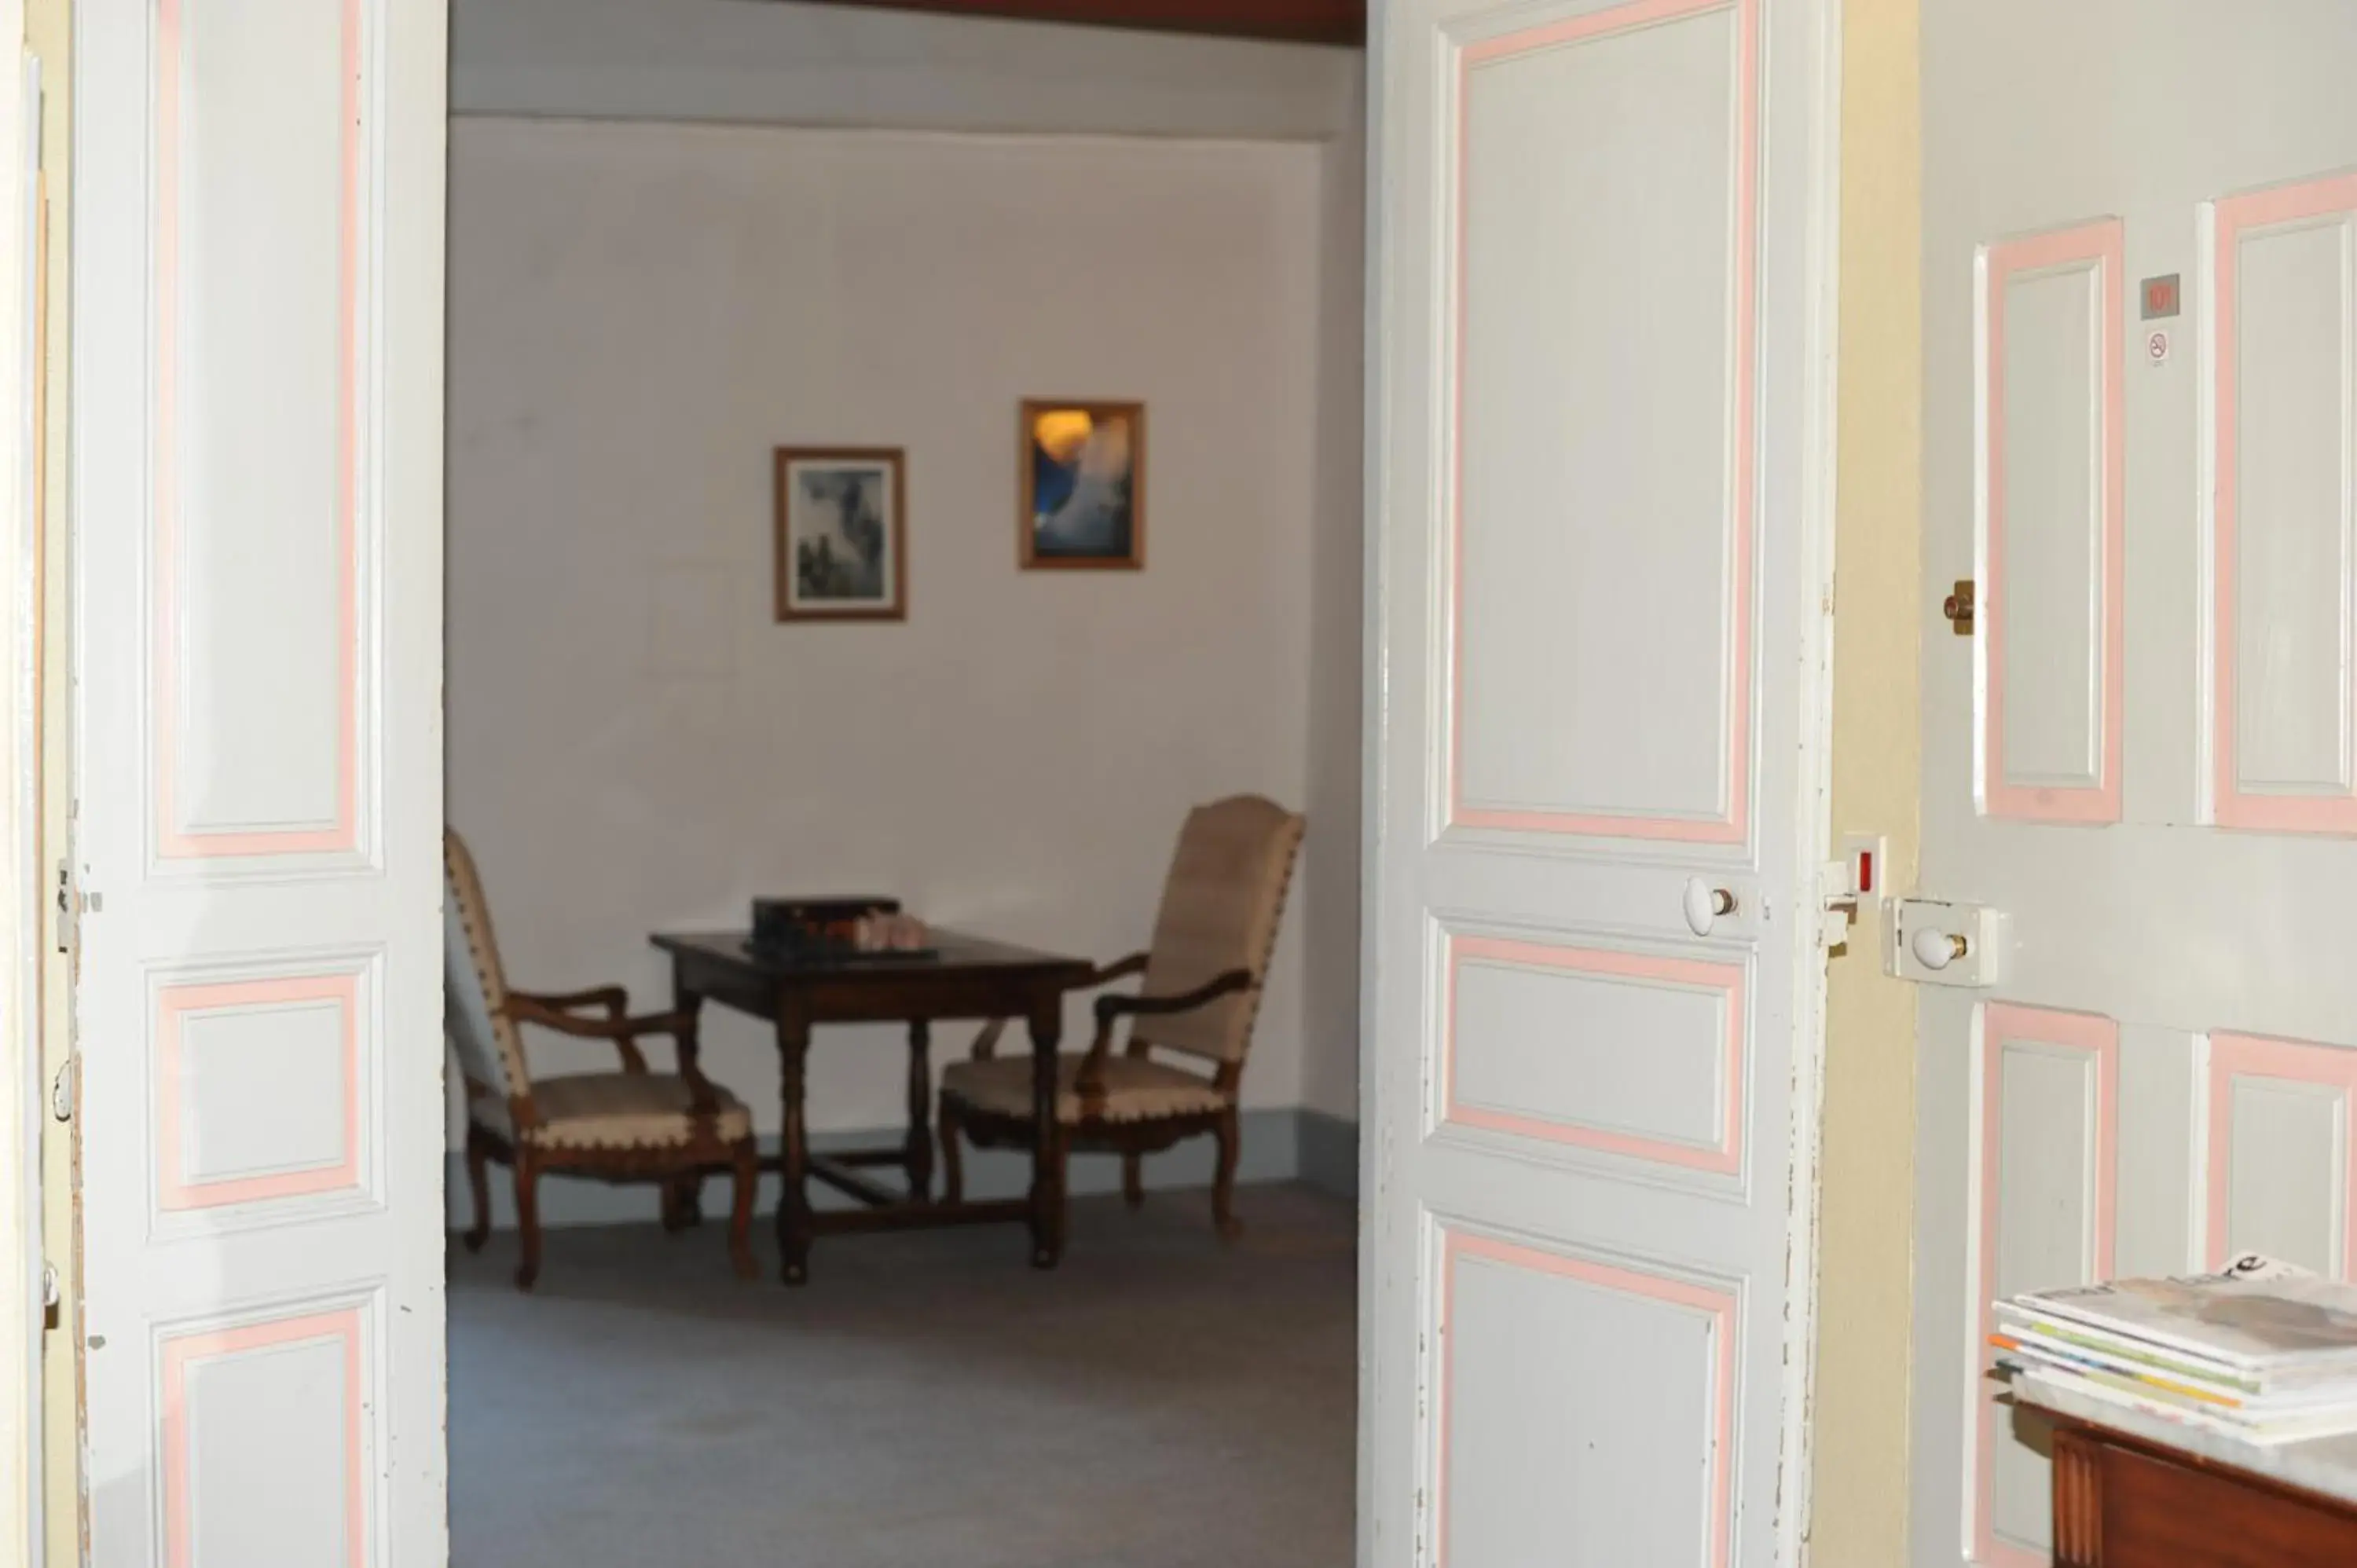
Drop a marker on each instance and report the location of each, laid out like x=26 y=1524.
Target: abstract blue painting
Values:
x=1083 y=485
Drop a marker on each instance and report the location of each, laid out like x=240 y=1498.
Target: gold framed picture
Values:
x=1083 y=486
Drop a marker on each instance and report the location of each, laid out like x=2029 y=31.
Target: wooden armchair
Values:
x=630 y=1126
x=1221 y=908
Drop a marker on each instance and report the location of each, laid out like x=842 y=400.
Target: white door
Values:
x=257 y=417
x=2147 y=754
x=1600 y=567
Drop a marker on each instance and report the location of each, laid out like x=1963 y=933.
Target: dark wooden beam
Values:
x=1300 y=21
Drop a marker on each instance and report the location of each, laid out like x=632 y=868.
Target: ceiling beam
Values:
x=1300 y=21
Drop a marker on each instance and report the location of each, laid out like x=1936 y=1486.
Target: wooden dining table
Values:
x=956 y=977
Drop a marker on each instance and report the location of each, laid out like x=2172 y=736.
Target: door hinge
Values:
x=52 y=1294
x=65 y=907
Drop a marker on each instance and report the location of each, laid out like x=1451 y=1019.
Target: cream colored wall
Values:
x=1866 y=1193
x=49 y=33
x=640 y=312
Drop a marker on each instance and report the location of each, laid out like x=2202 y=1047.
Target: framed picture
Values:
x=843 y=533
x=1083 y=486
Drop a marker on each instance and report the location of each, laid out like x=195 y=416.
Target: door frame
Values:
x=22 y=629
x=1861 y=1405
x=1818 y=488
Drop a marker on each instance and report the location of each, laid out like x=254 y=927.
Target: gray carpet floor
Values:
x=1161 y=1401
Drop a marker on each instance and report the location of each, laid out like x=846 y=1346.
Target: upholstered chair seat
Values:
x=628 y=1110
x=625 y=1125
x=1133 y=1089
x=1188 y=1026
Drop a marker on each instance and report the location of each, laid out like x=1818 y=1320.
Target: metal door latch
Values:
x=1850 y=889
x=1945 y=944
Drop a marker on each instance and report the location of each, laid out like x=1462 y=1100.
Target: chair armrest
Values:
x=612 y=998
x=624 y=1032
x=1111 y=1010
x=985 y=1044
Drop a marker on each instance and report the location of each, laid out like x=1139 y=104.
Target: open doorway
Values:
x=663 y=332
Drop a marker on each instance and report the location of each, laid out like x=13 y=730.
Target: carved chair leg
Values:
x=1223 y=1181
x=527 y=1197
x=740 y=1214
x=953 y=1165
x=1133 y=1180
x=682 y=1203
x=479 y=1177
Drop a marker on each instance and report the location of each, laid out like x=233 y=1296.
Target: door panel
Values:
x=2281 y=1178
x=257 y=421
x=2162 y=538
x=2284 y=641
x=1602 y=372
x=1549 y=1355
x=1546 y=1030
x=2044 y=1207
x=260 y=354
x=1599 y=598
x=2051 y=533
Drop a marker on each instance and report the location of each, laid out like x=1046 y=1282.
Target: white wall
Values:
x=1338 y=617
x=640 y=312
x=772 y=61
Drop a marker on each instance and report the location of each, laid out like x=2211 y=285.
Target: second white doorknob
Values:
x=1705 y=904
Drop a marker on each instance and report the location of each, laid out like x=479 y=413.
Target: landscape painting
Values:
x=842 y=535
x=1083 y=485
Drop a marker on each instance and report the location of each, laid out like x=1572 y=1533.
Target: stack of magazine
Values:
x=2263 y=1351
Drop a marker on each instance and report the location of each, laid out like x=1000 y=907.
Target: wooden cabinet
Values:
x=2122 y=1501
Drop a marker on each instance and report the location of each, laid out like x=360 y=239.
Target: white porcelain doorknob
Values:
x=1705 y=905
x=1936 y=949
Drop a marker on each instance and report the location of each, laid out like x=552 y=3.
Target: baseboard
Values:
x=1276 y=1147
x=1329 y=1149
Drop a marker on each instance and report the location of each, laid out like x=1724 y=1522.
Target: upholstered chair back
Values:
x=490 y=1051
x=1221 y=909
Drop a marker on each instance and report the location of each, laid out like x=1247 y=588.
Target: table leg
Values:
x=794 y=1175
x=918 y=1156
x=1047 y=1025
x=683 y=1198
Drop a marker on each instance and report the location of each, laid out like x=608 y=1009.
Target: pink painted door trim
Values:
x=1723 y=1157
x=1734 y=827
x=2234 y=217
x=1718 y=1305
x=2102 y=244
x=341 y=835
x=2235 y=1056
x=174 y=1004
x=2099 y=1038
x=179 y=1350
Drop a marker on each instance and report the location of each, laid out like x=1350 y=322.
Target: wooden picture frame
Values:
x=841 y=534
x=1091 y=479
